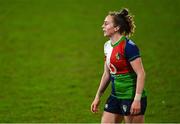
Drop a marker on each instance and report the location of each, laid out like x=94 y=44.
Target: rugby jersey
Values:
x=118 y=57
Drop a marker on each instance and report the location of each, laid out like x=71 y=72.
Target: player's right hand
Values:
x=94 y=105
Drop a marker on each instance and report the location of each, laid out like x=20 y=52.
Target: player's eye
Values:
x=106 y=23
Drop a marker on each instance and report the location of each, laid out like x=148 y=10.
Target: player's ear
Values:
x=117 y=28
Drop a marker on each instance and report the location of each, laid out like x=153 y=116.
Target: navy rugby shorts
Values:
x=123 y=106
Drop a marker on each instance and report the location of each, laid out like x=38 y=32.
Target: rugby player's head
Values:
x=123 y=21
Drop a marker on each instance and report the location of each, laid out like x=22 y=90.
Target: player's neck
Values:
x=115 y=38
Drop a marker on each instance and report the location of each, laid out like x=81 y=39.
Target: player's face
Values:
x=108 y=26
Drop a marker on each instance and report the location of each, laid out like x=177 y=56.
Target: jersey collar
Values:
x=117 y=42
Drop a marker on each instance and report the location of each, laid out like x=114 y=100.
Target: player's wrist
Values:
x=137 y=97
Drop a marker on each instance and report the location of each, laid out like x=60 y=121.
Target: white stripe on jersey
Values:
x=107 y=51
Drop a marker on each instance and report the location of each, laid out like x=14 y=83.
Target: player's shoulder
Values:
x=131 y=46
x=107 y=43
x=107 y=46
x=129 y=42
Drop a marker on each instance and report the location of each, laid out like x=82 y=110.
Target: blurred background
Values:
x=51 y=58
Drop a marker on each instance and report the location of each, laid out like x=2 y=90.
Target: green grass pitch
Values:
x=51 y=58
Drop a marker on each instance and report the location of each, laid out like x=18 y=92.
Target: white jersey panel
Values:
x=107 y=51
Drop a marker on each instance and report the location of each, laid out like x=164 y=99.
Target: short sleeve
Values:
x=131 y=51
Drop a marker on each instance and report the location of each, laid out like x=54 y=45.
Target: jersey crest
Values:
x=118 y=56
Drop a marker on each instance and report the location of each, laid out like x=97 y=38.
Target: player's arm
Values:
x=133 y=56
x=104 y=82
x=102 y=87
x=139 y=70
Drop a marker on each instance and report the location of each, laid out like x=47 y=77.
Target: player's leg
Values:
x=108 y=117
x=111 y=111
x=134 y=119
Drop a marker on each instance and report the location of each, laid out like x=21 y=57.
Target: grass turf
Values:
x=52 y=58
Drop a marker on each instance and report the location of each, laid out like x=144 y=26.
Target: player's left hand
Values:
x=135 y=107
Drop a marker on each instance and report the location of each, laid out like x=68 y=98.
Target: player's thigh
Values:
x=108 y=117
x=134 y=119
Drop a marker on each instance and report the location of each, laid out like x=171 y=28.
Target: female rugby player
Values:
x=124 y=68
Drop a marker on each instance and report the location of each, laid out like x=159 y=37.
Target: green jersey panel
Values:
x=124 y=86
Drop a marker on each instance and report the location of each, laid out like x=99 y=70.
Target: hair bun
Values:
x=124 y=12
